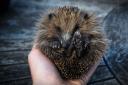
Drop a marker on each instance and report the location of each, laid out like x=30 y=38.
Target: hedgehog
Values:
x=72 y=39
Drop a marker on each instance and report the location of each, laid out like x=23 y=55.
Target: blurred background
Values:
x=17 y=29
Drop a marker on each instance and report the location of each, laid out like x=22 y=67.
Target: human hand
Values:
x=44 y=72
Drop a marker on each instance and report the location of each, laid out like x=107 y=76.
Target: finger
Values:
x=75 y=82
x=42 y=69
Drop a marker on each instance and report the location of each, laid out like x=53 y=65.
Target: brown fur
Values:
x=74 y=53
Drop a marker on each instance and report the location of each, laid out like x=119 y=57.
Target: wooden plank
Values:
x=19 y=26
x=14 y=72
x=101 y=73
x=9 y=45
x=13 y=57
x=107 y=82
x=19 y=34
x=102 y=62
x=18 y=82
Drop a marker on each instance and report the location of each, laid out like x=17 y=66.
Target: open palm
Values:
x=44 y=72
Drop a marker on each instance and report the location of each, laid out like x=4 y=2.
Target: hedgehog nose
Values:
x=65 y=45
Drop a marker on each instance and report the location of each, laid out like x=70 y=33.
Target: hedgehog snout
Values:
x=65 y=40
x=66 y=44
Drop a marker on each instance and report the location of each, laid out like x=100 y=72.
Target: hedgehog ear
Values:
x=84 y=15
x=51 y=15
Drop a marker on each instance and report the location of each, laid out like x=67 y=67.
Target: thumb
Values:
x=42 y=70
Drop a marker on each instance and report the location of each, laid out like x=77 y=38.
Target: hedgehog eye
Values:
x=75 y=28
x=58 y=29
x=51 y=15
x=84 y=15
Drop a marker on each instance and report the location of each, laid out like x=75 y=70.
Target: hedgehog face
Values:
x=61 y=24
x=64 y=22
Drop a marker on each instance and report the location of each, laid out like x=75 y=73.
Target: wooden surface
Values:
x=117 y=56
x=16 y=36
